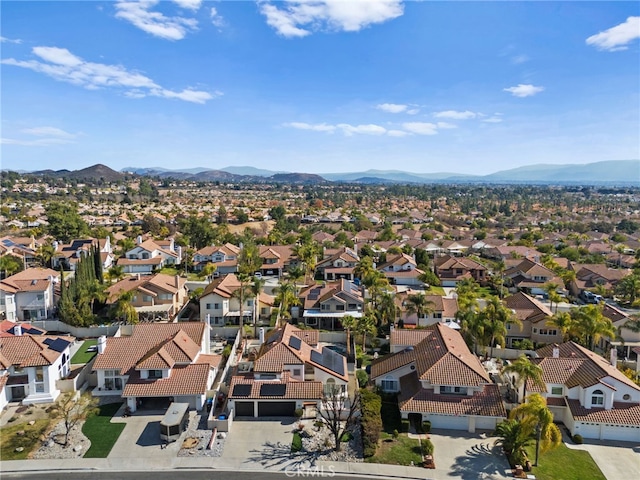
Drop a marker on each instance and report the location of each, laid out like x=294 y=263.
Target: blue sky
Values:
x=319 y=86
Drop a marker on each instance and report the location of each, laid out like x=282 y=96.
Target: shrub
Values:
x=426 y=426
x=362 y=377
x=226 y=352
x=371 y=421
x=298 y=412
x=577 y=439
x=427 y=447
x=13 y=419
x=395 y=434
x=296 y=443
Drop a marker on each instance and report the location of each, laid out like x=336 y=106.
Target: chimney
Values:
x=139 y=239
x=102 y=344
x=613 y=355
x=207 y=335
x=177 y=281
x=261 y=335
x=556 y=352
x=138 y=276
x=17 y=330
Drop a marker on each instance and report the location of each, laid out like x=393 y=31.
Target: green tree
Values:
x=116 y=273
x=198 y=230
x=349 y=323
x=418 y=304
x=537 y=422
x=286 y=297
x=496 y=316
x=44 y=254
x=514 y=438
x=123 y=309
x=591 y=325
x=256 y=289
x=564 y=322
x=65 y=223
x=628 y=289
x=525 y=370
x=208 y=270
x=10 y=265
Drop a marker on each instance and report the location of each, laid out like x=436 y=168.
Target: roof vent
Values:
x=34 y=281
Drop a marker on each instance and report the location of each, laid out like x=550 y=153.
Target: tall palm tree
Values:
x=92 y=291
x=471 y=326
x=496 y=316
x=592 y=324
x=551 y=289
x=285 y=297
x=629 y=289
x=419 y=305
x=44 y=254
x=256 y=289
x=116 y=273
x=514 y=439
x=563 y=321
x=349 y=323
x=241 y=293
x=387 y=310
x=525 y=370
x=123 y=308
x=537 y=420
x=364 y=268
x=366 y=325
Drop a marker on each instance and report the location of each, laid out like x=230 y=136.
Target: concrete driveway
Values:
x=141 y=438
x=617 y=460
x=258 y=442
x=466 y=456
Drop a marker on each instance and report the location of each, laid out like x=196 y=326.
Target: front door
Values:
x=17 y=393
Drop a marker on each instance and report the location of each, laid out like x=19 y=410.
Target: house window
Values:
x=39 y=374
x=447 y=389
x=145 y=256
x=557 y=390
x=146 y=298
x=216 y=306
x=437 y=315
x=597 y=398
x=111 y=380
x=389 y=384
x=340 y=308
x=209 y=306
x=352 y=306
x=296 y=372
x=40 y=297
x=155 y=373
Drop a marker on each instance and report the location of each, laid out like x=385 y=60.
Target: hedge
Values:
x=371 y=421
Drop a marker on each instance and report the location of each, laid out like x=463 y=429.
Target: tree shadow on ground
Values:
x=480 y=461
x=280 y=455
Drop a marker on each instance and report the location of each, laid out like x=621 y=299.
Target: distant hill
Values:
x=94 y=172
x=297 y=178
x=159 y=171
x=252 y=171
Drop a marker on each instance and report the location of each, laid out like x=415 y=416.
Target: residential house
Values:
x=451 y=270
x=337 y=264
x=530 y=277
x=148 y=256
x=590 y=276
x=276 y=259
x=157 y=361
x=68 y=255
x=30 y=365
x=290 y=372
x=587 y=393
x=158 y=296
x=627 y=340
x=535 y=318
x=221 y=303
x=225 y=258
x=29 y=295
x=439 y=380
x=22 y=247
x=503 y=252
x=401 y=269
x=323 y=306
x=439 y=310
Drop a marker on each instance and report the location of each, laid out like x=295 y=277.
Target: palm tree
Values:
x=471 y=326
x=285 y=297
x=364 y=268
x=592 y=324
x=496 y=316
x=208 y=270
x=514 y=439
x=525 y=370
x=387 y=310
x=551 y=289
x=241 y=293
x=44 y=254
x=116 y=273
x=93 y=291
x=629 y=289
x=123 y=308
x=563 y=321
x=349 y=323
x=296 y=274
x=537 y=421
x=419 y=305
x=256 y=289
x=366 y=325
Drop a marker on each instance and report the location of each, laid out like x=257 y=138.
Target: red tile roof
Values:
x=184 y=380
x=29 y=350
x=293 y=390
x=621 y=414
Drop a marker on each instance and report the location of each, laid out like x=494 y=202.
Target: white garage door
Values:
x=485 y=423
x=449 y=421
x=587 y=430
x=627 y=434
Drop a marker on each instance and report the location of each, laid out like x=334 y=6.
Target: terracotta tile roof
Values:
x=622 y=413
x=31 y=285
x=123 y=353
x=293 y=390
x=527 y=308
x=556 y=401
x=184 y=380
x=408 y=337
x=3 y=380
x=148 y=261
x=442 y=358
x=29 y=350
x=212 y=360
x=34 y=274
x=577 y=365
x=413 y=398
x=7 y=328
x=223 y=286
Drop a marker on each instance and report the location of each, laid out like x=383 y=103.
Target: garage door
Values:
x=244 y=409
x=276 y=409
x=587 y=430
x=449 y=421
x=626 y=434
x=485 y=423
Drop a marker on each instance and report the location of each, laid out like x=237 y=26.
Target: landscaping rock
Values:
x=32 y=422
x=20 y=433
x=19 y=449
x=77 y=448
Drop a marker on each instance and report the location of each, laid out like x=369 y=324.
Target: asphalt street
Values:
x=177 y=475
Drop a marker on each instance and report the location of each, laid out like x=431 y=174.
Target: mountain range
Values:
x=612 y=172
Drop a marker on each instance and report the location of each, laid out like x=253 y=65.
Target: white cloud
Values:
x=41 y=142
x=155 y=23
x=421 y=128
x=523 y=90
x=319 y=127
x=369 y=129
x=413 y=111
x=392 y=107
x=48 y=132
x=492 y=120
x=445 y=125
x=616 y=38
x=216 y=18
x=189 y=4
x=299 y=18
x=519 y=59
x=397 y=133
x=62 y=65
x=456 y=115
x=10 y=40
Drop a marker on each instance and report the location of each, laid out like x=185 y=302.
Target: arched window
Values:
x=597 y=398
x=330 y=387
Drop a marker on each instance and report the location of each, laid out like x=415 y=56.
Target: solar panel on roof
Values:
x=241 y=390
x=295 y=342
x=273 y=389
x=333 y=361
x=59 y=345
x=48 y=341
x=313 y=297
x=316 y=357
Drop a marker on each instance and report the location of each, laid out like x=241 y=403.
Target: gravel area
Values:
x=198 y=429
x=51 y=449
x=319 y=442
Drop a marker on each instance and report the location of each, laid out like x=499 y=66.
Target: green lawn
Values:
x=435 y=291
x=564 y=463
x=82 y=356
x=400 y=451
x=175 y=271
x=102 y=433
x=10 y=440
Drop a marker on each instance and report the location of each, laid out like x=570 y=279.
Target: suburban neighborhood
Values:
x=401 y=332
